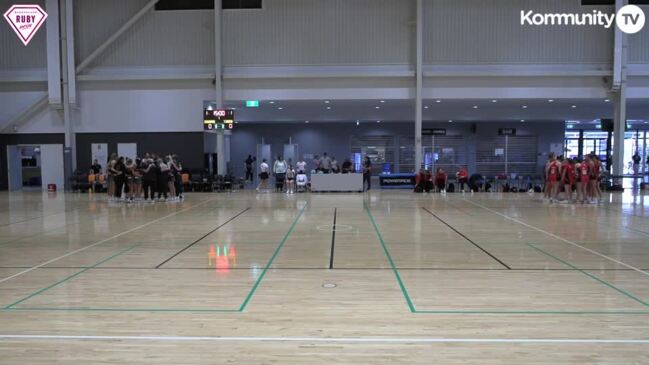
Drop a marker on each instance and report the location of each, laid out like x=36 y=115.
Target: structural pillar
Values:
x=619 y=96
x=618 y=132
x=419 y=85
x=218 y=85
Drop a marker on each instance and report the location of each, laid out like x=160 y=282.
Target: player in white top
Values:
x=263 y=175
x=301 y=166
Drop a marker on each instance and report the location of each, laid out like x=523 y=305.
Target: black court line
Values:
x=201 y=238
x=39 y=217
x=333 y=241
x=467 y=238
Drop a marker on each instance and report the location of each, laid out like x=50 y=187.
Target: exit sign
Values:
x=252 y=103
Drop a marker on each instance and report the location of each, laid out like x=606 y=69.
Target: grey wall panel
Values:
x=639 y=44
x=166 y=38
x=489 y=32
x=14 y=54
x=188 y=146
x=96 y=20
x=312 y=32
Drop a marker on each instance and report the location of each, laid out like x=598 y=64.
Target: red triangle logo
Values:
x=25 y=20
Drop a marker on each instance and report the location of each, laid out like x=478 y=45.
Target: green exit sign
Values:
x=252 y=103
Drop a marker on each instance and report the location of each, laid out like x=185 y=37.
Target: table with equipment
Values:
x=336 y=182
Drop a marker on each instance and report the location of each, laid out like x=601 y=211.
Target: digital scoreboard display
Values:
x=218 y=119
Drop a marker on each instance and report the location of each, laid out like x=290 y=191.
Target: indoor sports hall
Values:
x=324 y=182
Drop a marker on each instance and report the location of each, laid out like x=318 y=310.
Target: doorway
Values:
x=33 y=167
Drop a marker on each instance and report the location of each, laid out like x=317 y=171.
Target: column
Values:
x=419 y=82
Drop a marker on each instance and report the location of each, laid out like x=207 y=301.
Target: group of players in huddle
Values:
x=129 y=179
x=567 y=175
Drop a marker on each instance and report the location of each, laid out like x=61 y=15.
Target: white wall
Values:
x=169 y=108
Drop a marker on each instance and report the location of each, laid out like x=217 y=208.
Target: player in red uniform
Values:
x=595 y=178
x=568 y=177
x=462 y=178
x=553 y=173
x=583 y=176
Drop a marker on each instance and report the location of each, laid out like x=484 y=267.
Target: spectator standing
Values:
x=367 y=173
x=325 y=163
x=263 y=175
x=636 y=162
x=279 y=169
x=248 y=163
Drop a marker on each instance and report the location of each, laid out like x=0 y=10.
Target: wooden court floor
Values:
x=384 y=277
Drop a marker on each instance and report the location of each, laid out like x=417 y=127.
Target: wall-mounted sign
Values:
x=433 y=132
x=507 y=131
x=25 y=20
x=252 y=103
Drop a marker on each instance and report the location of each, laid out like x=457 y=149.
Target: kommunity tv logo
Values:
x=630 y=19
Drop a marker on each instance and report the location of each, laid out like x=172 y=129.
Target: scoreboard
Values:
x=218 y=119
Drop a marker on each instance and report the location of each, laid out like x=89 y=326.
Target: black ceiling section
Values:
x=612 y=2
x=206 y=4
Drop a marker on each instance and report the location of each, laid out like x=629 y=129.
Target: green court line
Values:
x=271 y=260
x=621 y=291
x=40 y=291
x=411 y=306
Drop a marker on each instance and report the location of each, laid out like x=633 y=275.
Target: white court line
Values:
x=381 y=340
x=559 y=238
x=102 y=241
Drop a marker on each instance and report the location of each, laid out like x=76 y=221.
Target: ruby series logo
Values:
x=25 y=20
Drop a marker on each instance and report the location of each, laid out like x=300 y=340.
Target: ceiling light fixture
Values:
x=425 y=106
x=574 y=106
x=306 y=121
x=271 y=102
x=377 y=107
x=438 y=101
x=382 y=101
x=326 y=101
x=358 y=123
x=550 y=100
x=378 y=121
x=450 y=121
x=328 y=108
x=494 y=101
x=522 y=120
x=475 y=107
x=280 y=108
x=607 y=100
x=524 y=106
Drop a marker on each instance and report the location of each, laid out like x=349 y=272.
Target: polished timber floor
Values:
x=384 y=277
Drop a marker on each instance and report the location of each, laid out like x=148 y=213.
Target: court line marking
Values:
x=85 y=269
x=103 y=241
x=559 y=238
x=39 y=217
x=272 y=259
x=467 y=238
x=201 y=238
x=381 y=340
x=333 y=241
x=411 y=305
x=602 y=281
